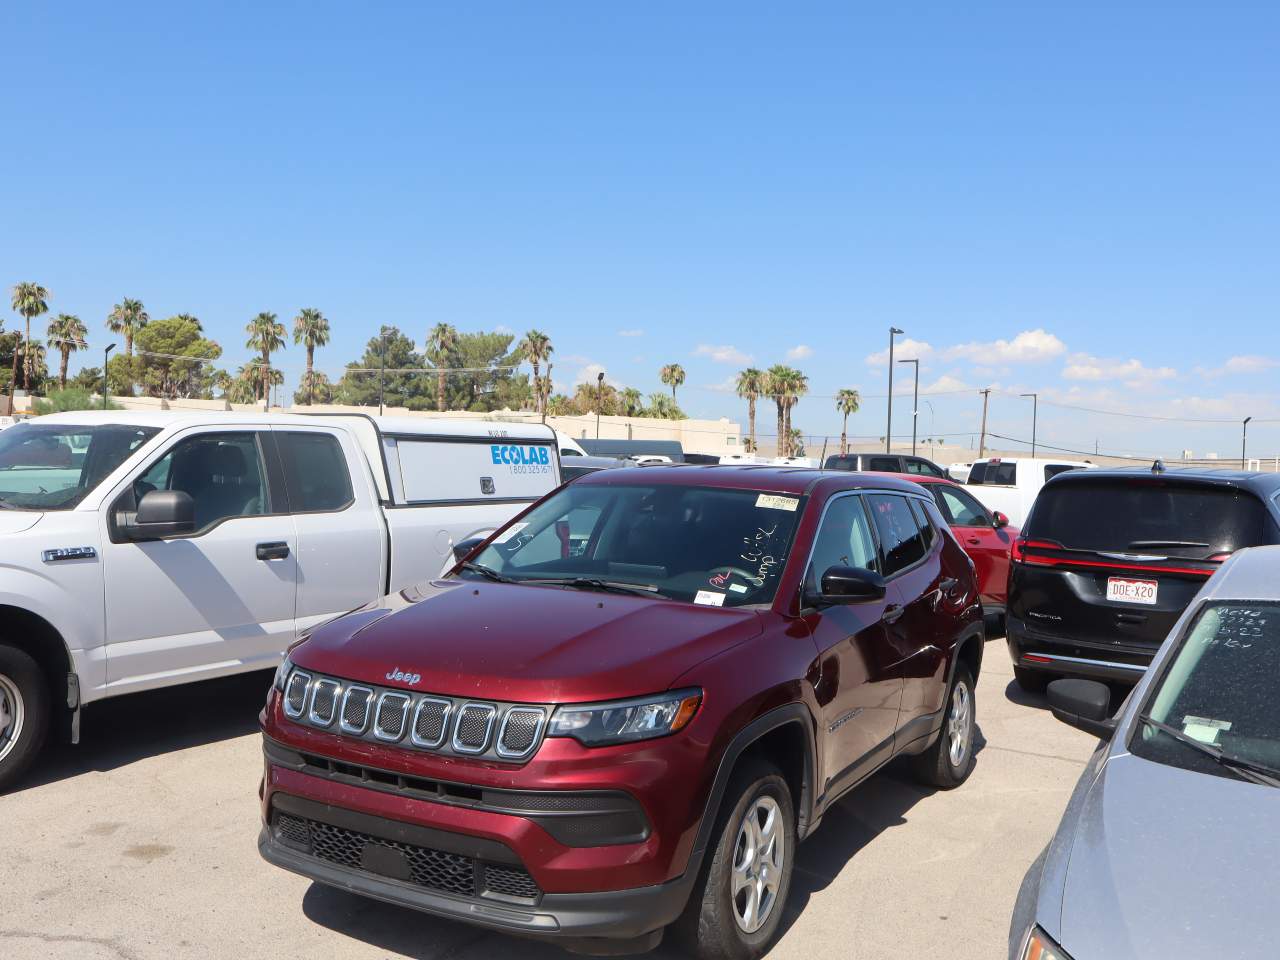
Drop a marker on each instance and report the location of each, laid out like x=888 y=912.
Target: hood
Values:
x=1172 y=864
x=525 y=643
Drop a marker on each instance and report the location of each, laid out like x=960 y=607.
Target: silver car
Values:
x=1170 y=844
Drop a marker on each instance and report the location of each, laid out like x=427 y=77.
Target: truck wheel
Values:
x=24 y=713
x=1032 y=681
x=948 y=763
x=735 y=910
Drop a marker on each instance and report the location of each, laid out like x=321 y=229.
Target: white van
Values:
x=140 y=550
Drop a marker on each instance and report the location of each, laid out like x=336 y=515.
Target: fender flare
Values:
x=974 y=630
x=789 y=713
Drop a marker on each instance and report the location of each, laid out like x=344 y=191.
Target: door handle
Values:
x=892 y=613
x=948 y=584
x=272 y=551
x=974 y=541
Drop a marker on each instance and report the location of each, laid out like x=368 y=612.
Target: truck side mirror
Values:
x=162 y=513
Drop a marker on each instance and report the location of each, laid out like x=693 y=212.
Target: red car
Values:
x=985 y=535
x=627 y=707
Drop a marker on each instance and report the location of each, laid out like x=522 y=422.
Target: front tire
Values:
x=24 y=714
x=735 y=911
x=948 y=763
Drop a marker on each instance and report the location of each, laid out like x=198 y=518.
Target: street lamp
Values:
x=915 y=403
x=932 y=435
x=888 y=428
x=1244 y=443
x=1035 y=406
x=106 y=356
x=599 y=399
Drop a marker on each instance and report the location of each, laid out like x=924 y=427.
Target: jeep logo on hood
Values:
x=412 y=679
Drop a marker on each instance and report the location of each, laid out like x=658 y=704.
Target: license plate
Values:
x=1132 y=591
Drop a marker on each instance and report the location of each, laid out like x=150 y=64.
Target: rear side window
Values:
x=842 y=462
x=923 y=467
x=884 y=464
x=960 y=509
x=901 y=543
x=1149 y=516
x=1051 y=470
x=995 y=473
x=927 y=533
x=315 y=472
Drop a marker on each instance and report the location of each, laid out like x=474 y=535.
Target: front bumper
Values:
x=1031 y=650
x=630 y=914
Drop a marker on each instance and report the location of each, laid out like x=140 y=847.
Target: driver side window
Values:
x=222 y=472
x=844 y=540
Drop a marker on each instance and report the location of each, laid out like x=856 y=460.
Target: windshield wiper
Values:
x=595 y=583
x=1255 y=772
x=1167 y=543
x=484 y=571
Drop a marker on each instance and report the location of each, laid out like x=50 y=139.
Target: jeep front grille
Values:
x=422 y=721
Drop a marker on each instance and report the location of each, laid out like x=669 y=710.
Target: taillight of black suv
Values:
x=1109 y=559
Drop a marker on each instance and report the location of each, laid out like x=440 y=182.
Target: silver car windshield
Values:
x=706 y=545
x=1222 y=689
x=53 y=466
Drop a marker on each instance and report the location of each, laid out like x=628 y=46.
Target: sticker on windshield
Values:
x=1204 y=729
x=710 y=598
x=510 y=532
x=737 y=588
x=772 y=502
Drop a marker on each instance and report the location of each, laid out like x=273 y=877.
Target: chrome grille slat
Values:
x=451 y=726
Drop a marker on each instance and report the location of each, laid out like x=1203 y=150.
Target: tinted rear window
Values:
x=994 y=472
x=1149 y=516
x=842 y=462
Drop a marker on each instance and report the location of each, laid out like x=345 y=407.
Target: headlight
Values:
x=1040 y=947
x=282 y=674
x=622 y=721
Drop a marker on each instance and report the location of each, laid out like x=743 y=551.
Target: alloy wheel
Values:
x=11 y=715
x=958 y=724
x=758 y=858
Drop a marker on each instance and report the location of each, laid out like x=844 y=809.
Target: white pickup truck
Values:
x=140 y=550
x=1009 y=485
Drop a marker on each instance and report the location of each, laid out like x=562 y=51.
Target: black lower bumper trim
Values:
x=607 y=915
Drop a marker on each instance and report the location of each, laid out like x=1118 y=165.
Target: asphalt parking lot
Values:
x=141 y=843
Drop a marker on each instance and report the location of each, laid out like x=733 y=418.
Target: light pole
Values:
x=932 y=435
x=1035 y=406
x=888 y=427
x=106 y=356
x=382 y=370
x=915 y=403
x=1244 y=443
x=599 y=399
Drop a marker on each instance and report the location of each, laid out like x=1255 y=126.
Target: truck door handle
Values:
x=892 y=613
x=974 y=541
x=272 y=551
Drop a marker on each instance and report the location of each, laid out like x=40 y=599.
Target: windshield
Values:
x=1221 y=688
x=54 y=466
x=1149 y=516
x=697 y=544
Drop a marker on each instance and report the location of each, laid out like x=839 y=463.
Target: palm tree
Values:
x=797 y=387
x=673 y=376
x=774 y=386
x=266 y=334
x=29 y=300
x=536 y=347
x=128 y=317
x=632 y=402
x=749 y=386
x=847 y=402
x=67 y=333
x=442 y=341
x=311 y=330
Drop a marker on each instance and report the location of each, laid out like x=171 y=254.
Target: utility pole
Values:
x=915 y=403
x=888 y=428
x=382 y=371
x=106 y=356
x=982 y=443
x=1244 y=443
x=1035 y=404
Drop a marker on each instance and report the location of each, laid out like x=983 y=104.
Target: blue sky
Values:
x=1081 y=201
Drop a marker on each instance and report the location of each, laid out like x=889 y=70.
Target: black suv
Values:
x=885 y=463
x=1109 y=559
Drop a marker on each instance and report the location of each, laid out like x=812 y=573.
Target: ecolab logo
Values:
x=503 y=453
x=412 y=679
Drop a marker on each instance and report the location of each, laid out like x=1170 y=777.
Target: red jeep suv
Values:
x=626 y=708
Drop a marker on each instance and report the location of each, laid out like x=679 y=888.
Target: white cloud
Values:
x=722 y=354
x=907 y=349
x=631 y=333
x=799 y=352
x=944 y=384
x=590 y=372
x=1242 y=365
x=1132 y=373
x=504 y=330
x=727 y=385
x=1029 y=346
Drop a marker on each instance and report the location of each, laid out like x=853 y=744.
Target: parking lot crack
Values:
x=1076 y=761
x=51 y=938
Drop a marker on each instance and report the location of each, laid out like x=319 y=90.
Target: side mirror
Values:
x=999 y=520
x=1083 y=704
x=163 y=513
x=464 y=547
x=851 y=585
